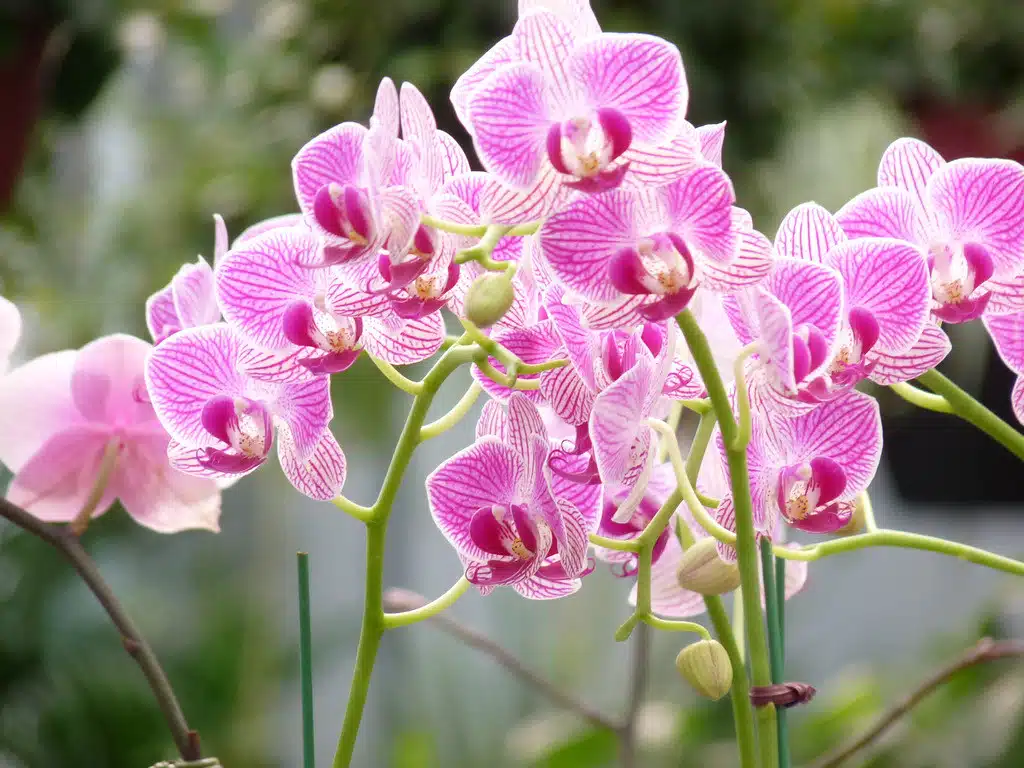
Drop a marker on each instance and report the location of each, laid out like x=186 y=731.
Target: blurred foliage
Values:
x=158 y=113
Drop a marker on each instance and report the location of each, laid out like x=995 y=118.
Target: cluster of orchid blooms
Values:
x=607 y=214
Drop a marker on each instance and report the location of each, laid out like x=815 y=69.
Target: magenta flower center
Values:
x=244 y=425
x=809 y=488
x=956 y=274
x=585 y=146
x=319 y=329
x=857 y=337
x=345 y=211
x=506 y=531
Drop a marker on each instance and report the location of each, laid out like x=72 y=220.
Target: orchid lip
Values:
x=345 y=212
x=244 y=425
x=307 y=327
x=584 y=147
x=809 y=489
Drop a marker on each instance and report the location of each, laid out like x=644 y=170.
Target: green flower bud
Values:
x=701 y=570
x=705 y=665
x=489 y=298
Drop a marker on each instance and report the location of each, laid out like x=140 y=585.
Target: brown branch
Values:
x=637 y=685
x=64 y=541
x=985 y=650
x=405 y=600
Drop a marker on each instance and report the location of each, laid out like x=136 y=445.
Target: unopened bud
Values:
x=489 y=298
x=701 y=570
x=705 y=665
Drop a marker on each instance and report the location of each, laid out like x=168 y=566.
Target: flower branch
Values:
x=66 y=542
x=984 y=651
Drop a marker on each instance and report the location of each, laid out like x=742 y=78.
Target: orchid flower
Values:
x=222 y=420
x=885 y=293
x=278 y=305
x=1007 y=332
x=649 y=247
x=75 y=424
x=343 y=186
x=10 y=332
x=511 y=521
x=189 y=300
x=562 y=102
x=808 y=469
x=968 y=217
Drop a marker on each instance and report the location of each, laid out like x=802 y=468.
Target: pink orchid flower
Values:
x=65 y=415
x=222 y=420
x=649 y=248
x=189 y=300
x=1007 y=331
x=561 y=104
x=884 y=330
x=343 y=183
x=282 y=307
x=10 y=332
x=808 y=469
x=511 y=521
x=966 y=215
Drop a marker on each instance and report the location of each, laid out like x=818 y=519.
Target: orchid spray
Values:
x=604 y=282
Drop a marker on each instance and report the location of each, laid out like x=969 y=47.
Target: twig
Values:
x=985 y=650
x=65 y=542
x=405 y=600
x=637 y=685
x=306 y=662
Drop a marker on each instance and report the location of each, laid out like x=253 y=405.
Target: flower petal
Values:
x=808 y=232
x=187 y=370
x=322 y=474
x=928 y=351
x=1006 y=295
x=502 y=53
x=699 y=207
x=889 y=278
x=547 y=41
x=1017 y=399
x=403 y=342
x=107 y=378
x=712 y=140
x=617 y=420
x=533 y=345
x=752 y=263
x=482 y=475
x=502 y=204
x=305 y=406
x=161 y=317
x=195 y=300
x=1007 y=332
x=640 y=76
x=283 y=221
x=982 y=201
x=539 y=587
x=510 y=116
x=812 y=292
x=55 y=482
x=160 y=497
x=577 y=14
x=884 y=212
x=909 y=164
x=663 y=163
x=567 y=394
x=580 y=240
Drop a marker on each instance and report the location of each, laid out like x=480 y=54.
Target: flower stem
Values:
x=774 y=605
x=922 y=399
x=373 y=623
x=969 y=409
x=391 y=374
x=427 y=610
x=746 y=546
x=306 y=663
x=477 y=230
x=676 y=626
x=907 y=540
x=454 y=416
x=349 y=507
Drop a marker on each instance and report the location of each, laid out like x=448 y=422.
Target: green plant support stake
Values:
x=306 y=663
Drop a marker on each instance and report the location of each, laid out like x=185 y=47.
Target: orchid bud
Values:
x=705 y=665
x=701 y=570
x=489 y=298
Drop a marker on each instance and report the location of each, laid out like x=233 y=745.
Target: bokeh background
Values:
x=125 y=124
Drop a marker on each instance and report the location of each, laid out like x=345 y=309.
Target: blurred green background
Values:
x=125 y=124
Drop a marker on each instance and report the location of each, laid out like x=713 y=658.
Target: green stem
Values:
x=699 y=445
x=391 y=374
x=477 y=230
x=349 y=507
x=739 y=695
x=773 y=604
x=454 y=416
x=675 y=626
x=746 y=545
x=885 y=538
x=922 y=399
x=306 y=663
x=969 y=409
x=428 y=611
x=373 y=624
